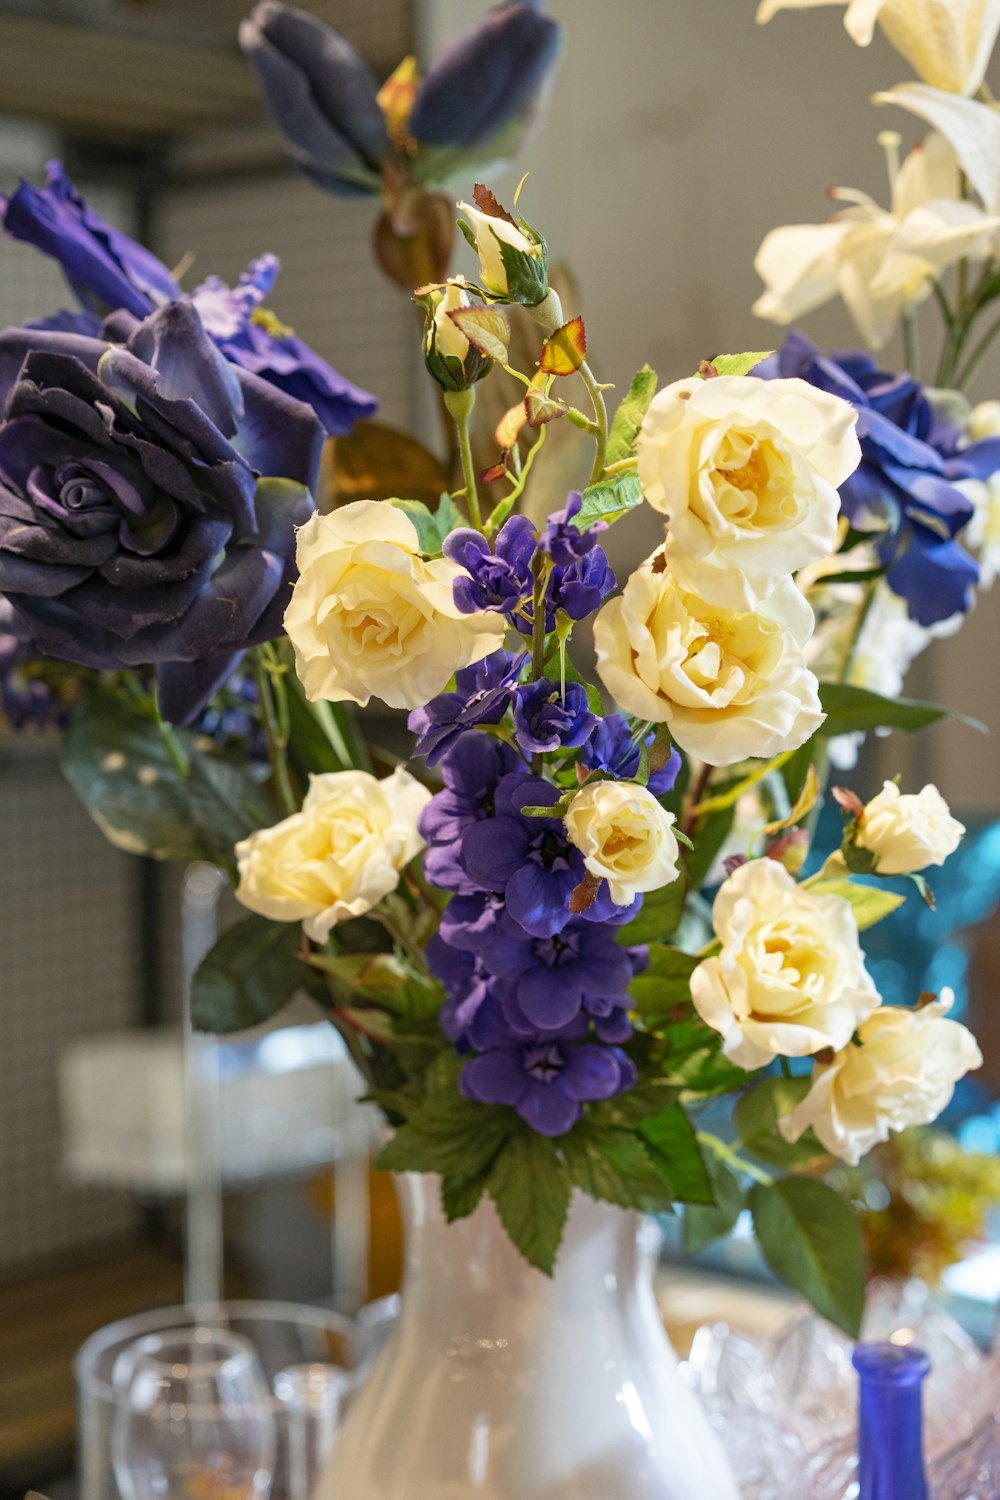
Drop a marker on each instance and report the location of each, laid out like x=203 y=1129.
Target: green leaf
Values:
x=228 y=801
x=114 y=757
x=432 y=526
x=739 y=364
x=851 y=709
x=460 y=1195
x=609 y=499
x=385 y=979
x=703 y=1224
x=611 y=1163
x=811 y=1240
x=661 y=911
x=451 y=1135
x=709 y=834
x=670 y=1140
x=664 y=984
x=531 y=1188
x=870 y=902
x=628 y=418
x=756 y=1118
x=253 y=970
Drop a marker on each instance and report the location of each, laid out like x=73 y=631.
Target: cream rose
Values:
x=947 y=42
x=790 y=978
x=336 y=858
x=907 y=832
x=625 y=837
x=448 y=338
x=492 y=232
x=369 y=617
x=746 y=471
x=729 y=684
x=903 y=1073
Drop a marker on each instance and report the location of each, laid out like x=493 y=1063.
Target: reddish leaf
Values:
x=487 y=204
x=486 y=328
x=565 y=350
x=509 y=426
x=541 y=408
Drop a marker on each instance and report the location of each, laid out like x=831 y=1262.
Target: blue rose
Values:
x=135 y=527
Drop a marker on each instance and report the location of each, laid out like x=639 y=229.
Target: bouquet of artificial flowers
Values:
x=556 y=931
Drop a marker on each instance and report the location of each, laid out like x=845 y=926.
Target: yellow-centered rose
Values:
x=791 y=978
x=625 y=837
x=339 y=856
x=906 y=832
x=369 y=617
x=729 y=684
x=903 y=1073
x=746 y=472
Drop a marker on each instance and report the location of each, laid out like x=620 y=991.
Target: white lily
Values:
x=971 y=129
x=947 y=42
x=879 y=261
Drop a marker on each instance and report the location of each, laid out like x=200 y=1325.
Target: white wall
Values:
x=679 y=133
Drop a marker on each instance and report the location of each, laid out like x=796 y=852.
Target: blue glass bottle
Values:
x=890 y=1422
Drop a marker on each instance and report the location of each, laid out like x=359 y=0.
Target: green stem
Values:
x=733 y=1159
x=460 y=404
x=911 y=342
x=277 y=743
x=538 y=619
x=601 y=417
x=975 y=359
x=172 y=743
x=398 y=933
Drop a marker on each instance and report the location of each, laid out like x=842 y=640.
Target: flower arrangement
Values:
x=514 y=931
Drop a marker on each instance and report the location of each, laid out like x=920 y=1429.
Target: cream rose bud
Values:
x=369 y=617
x=903 y=1073
x=339 y=856
x=984 y=421
x=791 y=978
x=746 y=472
x=906 y=832
x=730 y=684
x=492 y=232
x=625 y=837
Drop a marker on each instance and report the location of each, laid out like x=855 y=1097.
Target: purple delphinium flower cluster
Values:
x=537 y=994
x=905 y=490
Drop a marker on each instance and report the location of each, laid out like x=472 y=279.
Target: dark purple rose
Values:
x=546 y=720
x=479 y=97
x=472 y=771
x=611 y=748
x=134 y=526
x=110 y=273
x=548 y=1080
x=482 y=696
x=904 y=491
x=500 y=579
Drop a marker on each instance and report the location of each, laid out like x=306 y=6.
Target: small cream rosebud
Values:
x=984 y=421
x=625 y=837
x=337 y=857
x=513 y=259
x=906 y=833
x=448 y=354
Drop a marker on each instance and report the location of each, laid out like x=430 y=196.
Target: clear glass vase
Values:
x=500 y=1383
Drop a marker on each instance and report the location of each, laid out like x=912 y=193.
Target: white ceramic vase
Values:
x=499 y=1383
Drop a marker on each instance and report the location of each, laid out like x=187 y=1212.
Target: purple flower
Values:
x=110 y=273
x=529 y=860
x=565 y=542
x=479 y=97
x=134 y=528
x=904 y=491
x=482 y=696
x=581 y=575
x=552 y=979
x=468 y=922
x=470 y=1016
x=500 y=580
x=545 y=720
x=472 y=770
x=547 y=1080
x=611 y=748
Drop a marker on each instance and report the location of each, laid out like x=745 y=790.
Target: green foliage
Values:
x=609 y=499
x=851 y=709
x=252 y=972
x=739 y=364
x=531 y=1187
x=810 y=1239
x=610 y=1163
x=432 y=526
x=628 y=418
x=756 y=1117
x=661 y=911
x=704 y=1223
x=227 y=800
x=387 y=980
x=663 y=985
x=670 y=1141
x=460 y=1196
x=870 y=902
x=708 y=835
x=451 y=1135
x=114 y=757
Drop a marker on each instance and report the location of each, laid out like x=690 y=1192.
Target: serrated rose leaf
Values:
x=565 y=350
x=486 y=328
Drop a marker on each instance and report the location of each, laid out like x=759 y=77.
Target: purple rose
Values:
x=134 y=526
